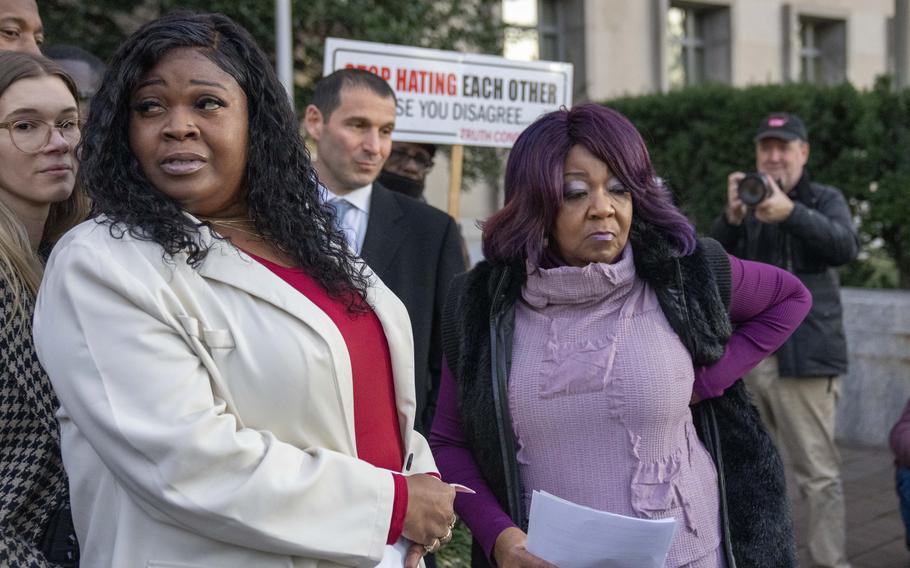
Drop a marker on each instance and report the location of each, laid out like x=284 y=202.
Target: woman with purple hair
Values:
x=575 y=350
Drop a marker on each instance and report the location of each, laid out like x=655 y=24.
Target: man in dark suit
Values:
x=413 y=247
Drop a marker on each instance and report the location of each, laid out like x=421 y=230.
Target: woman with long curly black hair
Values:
x=236 y=387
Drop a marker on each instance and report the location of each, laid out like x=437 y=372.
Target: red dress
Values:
x=376 y=429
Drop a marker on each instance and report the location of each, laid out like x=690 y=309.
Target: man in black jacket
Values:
x=781 y=217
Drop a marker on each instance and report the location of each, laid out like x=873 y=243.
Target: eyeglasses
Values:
x=30 y=136
x=400 y=157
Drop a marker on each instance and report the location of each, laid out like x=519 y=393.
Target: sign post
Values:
x=284 y=58
x=457 y=99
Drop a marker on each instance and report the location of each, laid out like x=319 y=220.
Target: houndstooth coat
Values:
x=33 y=484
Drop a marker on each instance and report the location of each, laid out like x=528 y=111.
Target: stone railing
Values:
x=877 y=387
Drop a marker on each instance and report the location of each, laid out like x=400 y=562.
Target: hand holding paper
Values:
x=510 y=551
x=573 y=536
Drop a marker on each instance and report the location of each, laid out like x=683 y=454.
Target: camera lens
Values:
x=752 y=189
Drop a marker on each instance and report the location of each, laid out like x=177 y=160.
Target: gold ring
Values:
x=448 y=537
x=432 y=547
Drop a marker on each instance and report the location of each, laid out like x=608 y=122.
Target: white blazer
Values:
x=207 y=415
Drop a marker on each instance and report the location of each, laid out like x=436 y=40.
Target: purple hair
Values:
x=534 y=182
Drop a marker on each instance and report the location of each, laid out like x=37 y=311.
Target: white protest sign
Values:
x=447 y=97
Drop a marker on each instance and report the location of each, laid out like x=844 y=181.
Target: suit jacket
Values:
x=207 y=414
x=416 y=250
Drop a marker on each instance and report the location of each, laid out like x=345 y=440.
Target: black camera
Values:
x=753 y=189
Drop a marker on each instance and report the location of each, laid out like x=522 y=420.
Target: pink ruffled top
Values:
x=599 y=394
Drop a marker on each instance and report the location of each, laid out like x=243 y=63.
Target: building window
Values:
x=822 y=50
x=548 y=27
x=699 y=44
x=534 y=29
x=549 y=30
x=520 y=20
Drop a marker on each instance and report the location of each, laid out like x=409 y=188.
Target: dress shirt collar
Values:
x=359 y=198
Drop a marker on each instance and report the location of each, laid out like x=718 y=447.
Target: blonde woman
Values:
x=39 y=128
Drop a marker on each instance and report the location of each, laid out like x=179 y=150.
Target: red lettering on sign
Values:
x=425 y=82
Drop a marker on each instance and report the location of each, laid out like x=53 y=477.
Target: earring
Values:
x=546 y=241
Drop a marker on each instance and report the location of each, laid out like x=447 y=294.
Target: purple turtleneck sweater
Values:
x=584 y=357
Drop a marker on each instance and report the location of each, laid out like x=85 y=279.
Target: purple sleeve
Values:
x=481 y=512
x=767 y=304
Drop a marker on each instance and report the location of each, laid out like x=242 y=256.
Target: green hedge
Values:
x=860 y=142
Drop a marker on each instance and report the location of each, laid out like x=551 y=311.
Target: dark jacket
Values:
x=478 y=329
x=415 y=249
x=817 y=236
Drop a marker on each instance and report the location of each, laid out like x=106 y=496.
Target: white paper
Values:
x=395 y=554
x=573 y=536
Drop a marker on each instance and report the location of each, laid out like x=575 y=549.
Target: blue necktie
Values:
x=342 y=206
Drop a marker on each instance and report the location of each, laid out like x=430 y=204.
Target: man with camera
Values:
x=779 y=216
